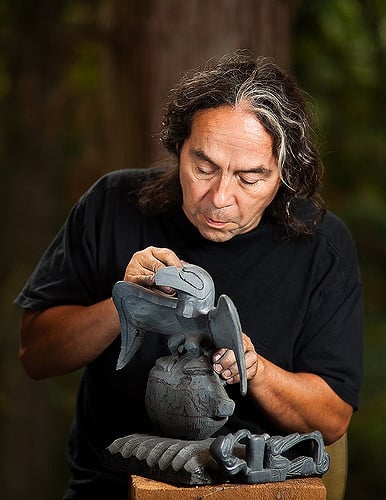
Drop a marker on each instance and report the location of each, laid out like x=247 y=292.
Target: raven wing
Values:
x=225 y=331
x=141 y=310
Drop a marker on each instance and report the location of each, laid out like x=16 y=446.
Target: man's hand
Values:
x=224 y=362
x=64 y=338
x=294 y=402
x=145 y=263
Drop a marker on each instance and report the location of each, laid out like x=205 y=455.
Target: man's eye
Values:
x=204 y=171
x=249 y=180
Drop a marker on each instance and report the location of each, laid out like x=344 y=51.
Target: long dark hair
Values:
x=279 y=104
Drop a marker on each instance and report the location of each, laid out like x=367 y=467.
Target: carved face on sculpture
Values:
x=185 y=399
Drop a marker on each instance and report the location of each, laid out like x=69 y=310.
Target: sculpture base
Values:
x=292 y=489
x=213 y=460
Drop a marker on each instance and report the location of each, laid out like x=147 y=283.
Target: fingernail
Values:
x=217 y=368
x=216 y=357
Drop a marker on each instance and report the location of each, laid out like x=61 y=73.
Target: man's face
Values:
x=228 y=172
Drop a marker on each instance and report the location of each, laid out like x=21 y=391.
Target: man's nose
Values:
x=222 y=192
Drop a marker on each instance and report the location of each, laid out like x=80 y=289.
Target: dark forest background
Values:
x=81 y=92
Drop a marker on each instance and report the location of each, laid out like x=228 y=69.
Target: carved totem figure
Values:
x=185 y=398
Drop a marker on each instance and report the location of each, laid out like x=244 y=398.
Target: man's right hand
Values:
x=145 y=263
x=63 y=338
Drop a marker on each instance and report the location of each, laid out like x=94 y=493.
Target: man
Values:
x=241 y=202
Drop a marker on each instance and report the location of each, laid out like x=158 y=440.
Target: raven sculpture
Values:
x=191 y=312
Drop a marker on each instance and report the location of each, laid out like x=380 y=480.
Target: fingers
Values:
x=224 y=362
x=145 y=263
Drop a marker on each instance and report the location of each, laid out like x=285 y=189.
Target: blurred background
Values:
x=81 y=92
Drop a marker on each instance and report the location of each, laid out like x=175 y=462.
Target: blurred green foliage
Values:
x=340 y=60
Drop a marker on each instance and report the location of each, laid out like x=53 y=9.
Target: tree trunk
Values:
x=153 y=42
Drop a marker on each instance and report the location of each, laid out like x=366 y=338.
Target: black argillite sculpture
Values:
x=265 y=456
x=186 y=400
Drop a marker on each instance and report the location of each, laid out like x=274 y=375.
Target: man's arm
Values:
x=294 y=402
x=300 y=402
x=63 y=338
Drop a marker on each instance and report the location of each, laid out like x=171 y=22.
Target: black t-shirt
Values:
x=299 y=301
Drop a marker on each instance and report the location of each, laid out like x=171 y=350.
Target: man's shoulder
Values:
x=126 y=181
x=129 y=178
x=332 y=226
x=336 y=235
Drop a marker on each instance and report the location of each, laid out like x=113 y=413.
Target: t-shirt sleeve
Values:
x=67 y=271
x=332 y=344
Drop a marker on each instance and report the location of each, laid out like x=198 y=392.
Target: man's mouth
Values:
x=215 y=223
